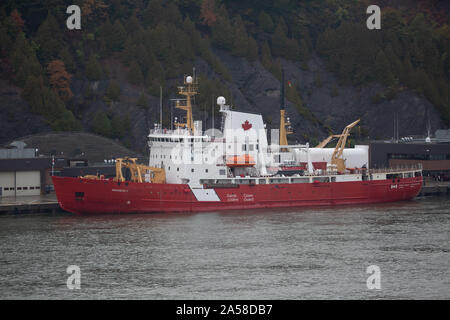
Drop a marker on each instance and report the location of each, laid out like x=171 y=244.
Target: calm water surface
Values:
x=306 y=253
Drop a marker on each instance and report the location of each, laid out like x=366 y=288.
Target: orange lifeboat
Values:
x=245 y=160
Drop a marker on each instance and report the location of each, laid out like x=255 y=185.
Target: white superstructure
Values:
x=192 y=155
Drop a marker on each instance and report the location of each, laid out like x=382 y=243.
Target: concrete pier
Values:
x=435 y=188
x=29 y=204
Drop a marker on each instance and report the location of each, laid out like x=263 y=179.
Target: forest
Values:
x=157 y=41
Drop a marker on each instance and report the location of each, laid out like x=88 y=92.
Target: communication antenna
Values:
x=395 y=132
x=212 y=123
x=231 y=99
x=171 y=115
x=160 y=107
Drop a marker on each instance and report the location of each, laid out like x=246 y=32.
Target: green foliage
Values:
x=135 y=74
x=66 y=122
x=49 y=38
x=265 y=22
x=240 y=39
x=113 y=36
x=29 y=68
x=209 y=89
x=94 y=71
x=113 y=91
x=68 y=60
x=45 y=102
x=282 y=46
x=120 y=126
x=222 y=31
x=266 y=55
x=101 y=124
x=142 y=101
x=293 y=95
x=157 y=43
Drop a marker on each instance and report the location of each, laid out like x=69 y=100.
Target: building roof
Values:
x=29 y=164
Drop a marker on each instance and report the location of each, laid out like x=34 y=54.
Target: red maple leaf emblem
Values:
x=246 y=125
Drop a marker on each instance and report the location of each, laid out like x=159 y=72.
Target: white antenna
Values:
x=212 y=124
x=160 y=107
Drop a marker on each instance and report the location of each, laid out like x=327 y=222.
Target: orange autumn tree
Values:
x=17 y=19
x=60 y=79
x=207 y=14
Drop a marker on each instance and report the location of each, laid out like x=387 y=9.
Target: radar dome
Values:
x=221 y=100
x=188 y=79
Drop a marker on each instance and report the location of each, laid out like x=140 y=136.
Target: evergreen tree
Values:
x=240 y=41
x=304 y=53
x=66 y=122
x=101 y=124
x=222 y=32
x=20 y=52
x=68 y=60
x=279 y=41
x=152 y=13
x=252 y=50
x=383 y=69
x=29 y=67
x=118 y=126
x=265 y=22
x=94 y=71
x=118 y=36
x=113 y=91
x=49 y=38
x=135 y=74
x=266 y=56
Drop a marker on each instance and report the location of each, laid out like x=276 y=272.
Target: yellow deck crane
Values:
x=336 y=158
x=139 y=172
x=327 y=140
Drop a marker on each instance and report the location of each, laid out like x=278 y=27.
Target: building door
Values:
x=28 y=183
x=7 y=184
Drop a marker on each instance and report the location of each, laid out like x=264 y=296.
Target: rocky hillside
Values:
x=105 y=78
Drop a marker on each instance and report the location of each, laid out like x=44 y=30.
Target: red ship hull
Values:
x=88 y=196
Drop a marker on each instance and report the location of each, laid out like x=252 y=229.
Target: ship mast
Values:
x=189 y=90
x=285 y=125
